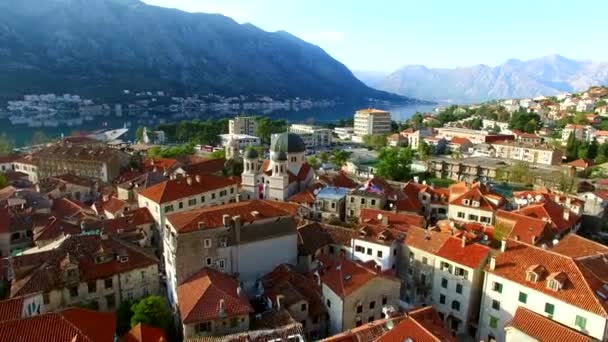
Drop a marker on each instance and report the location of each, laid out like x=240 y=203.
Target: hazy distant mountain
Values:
x=370 y=77
x=513 y=79
x=98 y=47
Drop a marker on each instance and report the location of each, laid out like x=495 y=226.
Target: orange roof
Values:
x=75 y=324
x=581 y=163
x=160 y=163
x=339 y=180
x=552 y=212
x=367 y=332
x=114 y=205
x=11 y=309
x=343 y=276
x=475 y=194
x=205 y=166
x=175 y=189
x=420 y=325
x=426 y=239
x=305 y=196
x=583 y=282
x=525 y=228
x=576 y=246
x=212 y=217
x=144 y=333
x=471 y=255
x=542 y=328
x=373 y=216
x=201 y=297
x=460 y=141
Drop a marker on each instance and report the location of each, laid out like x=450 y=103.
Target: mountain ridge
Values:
x=547 y=75
x=97 y=47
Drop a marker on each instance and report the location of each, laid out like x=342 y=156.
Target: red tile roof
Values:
x=294 y=287
x=474 y=194
x=460 y=141
x=576 y=246
x=471 y=255
x=212 y=217
x=200 y=297
x=66 y=208
x=11 y=309
x=115 y=205
x=144 y=333
x=367 y=332
x=39 y=272
x=205 y=166
x=305 y=196
x=53 y=228
x=69 y=325
x=524 y=228
x=344 y=276
x=377 y=216
x=553 y=213
x=583 y=282
x=428 y=240
x=340 y=180
x=542 y=328
x=581 y=163
x=160 y=163
x=175 y=189
x=420 y=325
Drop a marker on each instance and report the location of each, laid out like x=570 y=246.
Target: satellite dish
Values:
x=379 y=217
x=555 y=242
x=538 y=198
x=524 y=202
x=529 y=195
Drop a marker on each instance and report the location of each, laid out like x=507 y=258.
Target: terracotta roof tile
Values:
x=542 y=328
x=420 y=325
x=377 y=216
x=69 y=325
x=144 y=333
x=525 y=228
x=314 y=236
x=428 y=240
x=175 y=189
x=212 y=217
x=475 y=194
x=115 y=205
x=367 y=332
x=576 y=246
x=160 y=163
x=200 y=297
x=344 y=276
x=579 y=289
x=553 y=213
x=205 y=166
x=340 y=180
x=11 y=309
x=471 y=255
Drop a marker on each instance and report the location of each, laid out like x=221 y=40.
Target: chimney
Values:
x=189 y=180
x=226 y=220
x=566 y=214
x=533 y=239
x=197 y=178
x=503 y=245
x=463 y=241
x=556 y=198
x=516 y=238
x=222 y=311
x=492 y=263
x=279 y=300
x=239 y=290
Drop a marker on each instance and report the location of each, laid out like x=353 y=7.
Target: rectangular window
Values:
x=303 y=307
x=473 y=217
x=580 y=322
x=372 y=304
x=213 y=195
x=379 y=253
x=221 y=263
x=497 y=287
x=74 y=291
x=456 y=305
x=459 y=288
x=495 y=304
x=207 y=243
x=46 y=298
x=169 y=208
x=328 y=303
x=549 y=308
x=192 y=201
x=180 y=205
x=493 y=322
x=363 y=201
x=202 y=199
x=234 y=322
x=108 y=283
x=441 y=299
x=384 y=300
x=92 y=285
x=359 y=249
x=231 y=190
x=373 y=202
x=444 y=283
x=359 y=308
x=460 y=214
x=370 y=319
x=369 y=251
x=203 y=327
x=425 y=260
x=523 y=297
x=110 y=301
x=208 y=261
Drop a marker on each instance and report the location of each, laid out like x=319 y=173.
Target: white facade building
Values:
x=313 y=136
x=371 y=122
x=243 y=140
x=246 y=125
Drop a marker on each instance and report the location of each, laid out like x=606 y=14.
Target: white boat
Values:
x=108 y=135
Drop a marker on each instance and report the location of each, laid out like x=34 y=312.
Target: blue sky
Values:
x=386 y=34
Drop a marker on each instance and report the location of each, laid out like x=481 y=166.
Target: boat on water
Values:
x=108 y=134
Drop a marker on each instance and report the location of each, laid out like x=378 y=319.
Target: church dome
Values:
x=288 y=143
x=279 y=156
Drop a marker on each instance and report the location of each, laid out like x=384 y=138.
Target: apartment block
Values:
x=371 y=122
x=313 y=136
x=243 y=125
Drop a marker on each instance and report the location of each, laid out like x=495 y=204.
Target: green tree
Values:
x=123 y=317
x=395 y=163
x=6 y=145
x=572 y=146
x=313 y=162
x=600 y=103
x=153 y=311
x=39 y=138
x=339 y=157
x=267 y=127
x=593 y=149
x=476 y=124
x=375 y=142
x=323 y=157
x=139 y=134
x=602 y=153
x=217 y=154
x=580 y=119
x=565 y=182
x=424 y=150
x=520 y=172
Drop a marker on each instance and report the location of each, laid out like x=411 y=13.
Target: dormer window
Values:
x=556 y=281
x=554 y=284
x=531 y=276
x=475 y=204
x=466 y=202
x=534 y=273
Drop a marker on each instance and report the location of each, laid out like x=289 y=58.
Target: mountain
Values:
x=547 y=75
x=370 y=77
x=99 y=47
